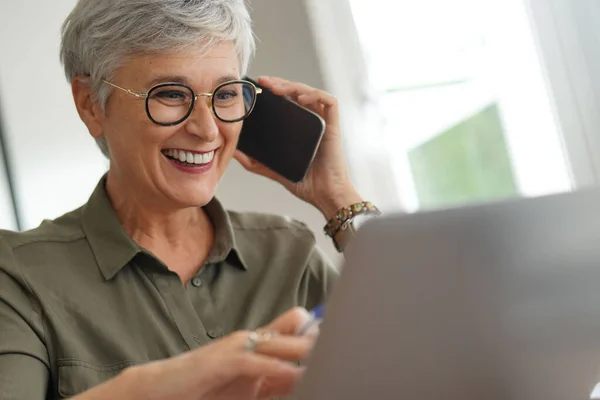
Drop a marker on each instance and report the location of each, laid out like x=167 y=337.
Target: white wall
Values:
x=56 y=163
x=7 y=219
x=568 y=35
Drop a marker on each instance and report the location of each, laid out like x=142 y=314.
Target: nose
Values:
x=202 y=122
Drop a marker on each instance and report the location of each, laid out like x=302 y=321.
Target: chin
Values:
x=199 y=199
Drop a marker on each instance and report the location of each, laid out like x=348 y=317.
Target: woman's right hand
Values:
x=224 y=369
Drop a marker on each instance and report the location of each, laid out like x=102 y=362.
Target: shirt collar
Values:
x=225 y=246
x=113 y=248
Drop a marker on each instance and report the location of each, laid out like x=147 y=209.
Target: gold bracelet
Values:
x=345 y=215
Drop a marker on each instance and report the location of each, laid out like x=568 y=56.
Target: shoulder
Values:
x=284 y=238
x=269 y=224
x=272 y=240
x=287 y=249
x=40 y=249
x=66 y=228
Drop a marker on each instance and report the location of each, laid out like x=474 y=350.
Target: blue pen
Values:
x=316 y=316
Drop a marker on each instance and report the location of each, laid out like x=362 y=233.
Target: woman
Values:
x=152 y=267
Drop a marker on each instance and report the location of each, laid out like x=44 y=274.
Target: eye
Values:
x=171 y=94
x=225 y=95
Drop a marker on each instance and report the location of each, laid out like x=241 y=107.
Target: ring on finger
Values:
x=256 y=338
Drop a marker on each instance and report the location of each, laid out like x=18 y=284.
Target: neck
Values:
x=180 y=237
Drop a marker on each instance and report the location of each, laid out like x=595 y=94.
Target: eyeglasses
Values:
x=169 y=104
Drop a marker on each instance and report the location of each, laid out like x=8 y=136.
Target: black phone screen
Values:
x=281 y=135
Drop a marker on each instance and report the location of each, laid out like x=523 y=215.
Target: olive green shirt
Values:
x=80 y=300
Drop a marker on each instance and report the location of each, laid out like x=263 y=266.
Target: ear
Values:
x=89 y=110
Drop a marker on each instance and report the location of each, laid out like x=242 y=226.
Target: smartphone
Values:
x=282 y=135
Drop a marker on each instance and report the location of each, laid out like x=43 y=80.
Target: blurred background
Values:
x=443 y=102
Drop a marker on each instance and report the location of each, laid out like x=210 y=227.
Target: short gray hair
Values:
x=99 y=35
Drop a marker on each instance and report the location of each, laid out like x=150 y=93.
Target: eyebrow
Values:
x=183 y=80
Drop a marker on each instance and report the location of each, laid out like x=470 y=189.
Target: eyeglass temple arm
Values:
x=131 y=92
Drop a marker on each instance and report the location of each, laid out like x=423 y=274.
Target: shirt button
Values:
x=215 y=333
x=197 y=282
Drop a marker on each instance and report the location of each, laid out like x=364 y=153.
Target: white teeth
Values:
x=189 y=157
x=207 y=157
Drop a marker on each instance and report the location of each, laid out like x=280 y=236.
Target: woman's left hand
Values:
x=327 y=185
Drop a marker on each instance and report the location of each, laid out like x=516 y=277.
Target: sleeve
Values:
x=24 y=362
x=318 y=281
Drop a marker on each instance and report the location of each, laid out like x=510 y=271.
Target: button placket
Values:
x=197 y=281
x=204 y=303
x=182 y=311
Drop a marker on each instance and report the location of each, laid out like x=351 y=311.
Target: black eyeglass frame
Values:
x=146 y=97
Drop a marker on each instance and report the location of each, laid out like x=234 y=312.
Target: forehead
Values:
x=196 y=66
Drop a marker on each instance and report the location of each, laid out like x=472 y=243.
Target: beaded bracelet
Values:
x=345 y=215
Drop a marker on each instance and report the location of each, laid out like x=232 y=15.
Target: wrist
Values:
x=344 y=221
x=131 y=383
x=330 y=205
x=127 y=385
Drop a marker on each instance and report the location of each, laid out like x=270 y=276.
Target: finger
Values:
x=278 y=377
x=271 y=80
x=258 y=362
x=291 y=89
x=290 y=322
x=240 y=387
x=317 y=100
x=287 y=348
x=318 y=96
x=270 y=388
x=312 y=102
x=329 y=102
x=271 y=83
x=283 y=87
x=313 y=331
x=296 y=89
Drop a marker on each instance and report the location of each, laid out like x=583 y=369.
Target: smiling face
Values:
x=175 y=166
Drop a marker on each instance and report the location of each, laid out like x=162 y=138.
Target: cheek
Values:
x=231 y=135
x=123 y=108
x=134 y=137
x=123 y=119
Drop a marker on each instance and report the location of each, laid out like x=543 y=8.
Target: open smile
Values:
x=189 y=158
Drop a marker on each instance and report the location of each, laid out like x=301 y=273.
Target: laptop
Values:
x=498 y=301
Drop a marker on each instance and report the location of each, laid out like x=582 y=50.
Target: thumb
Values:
x=290 y=322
